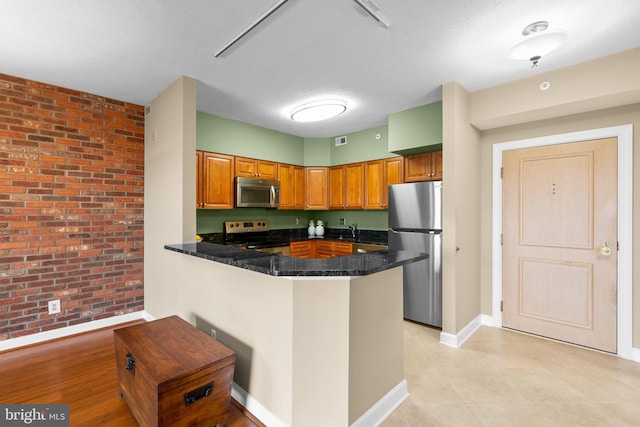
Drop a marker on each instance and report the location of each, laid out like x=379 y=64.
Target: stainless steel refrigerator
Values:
x=415 y=224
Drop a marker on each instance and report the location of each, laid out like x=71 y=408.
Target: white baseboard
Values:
x=255 y=407
x=373 y=417
x=487 y=320
x=39 y=337
x=457 y=340
x=383 y=407
x=635 y=355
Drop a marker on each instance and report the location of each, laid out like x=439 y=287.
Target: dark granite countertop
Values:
x=278 y=265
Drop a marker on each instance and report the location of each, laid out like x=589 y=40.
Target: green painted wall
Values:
x=211 y=220
x=227 y=136
x=361 y=146
x=416 y=130
x=316 y=152
x=366 y=220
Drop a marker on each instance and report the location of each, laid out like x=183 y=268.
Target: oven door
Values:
x=257 y=193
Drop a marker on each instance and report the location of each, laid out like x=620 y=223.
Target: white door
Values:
x=559 y=242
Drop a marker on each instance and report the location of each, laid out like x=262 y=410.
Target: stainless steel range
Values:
x=254 y=234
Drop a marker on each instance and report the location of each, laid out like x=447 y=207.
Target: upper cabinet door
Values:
x=317 y=194
x=285 y=173
x=374 y=176
x=299 y=187
x=423 y=167
x=199 y=156
x=394 y=173
x=254 y=168
x=346 y=186
x=337 y=195
x=354 y=188
x=379 y=175
x=217 y=172
x=292 y=186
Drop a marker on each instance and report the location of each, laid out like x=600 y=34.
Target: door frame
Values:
x=624 y=134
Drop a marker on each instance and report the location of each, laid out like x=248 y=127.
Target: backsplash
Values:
x=212 y=220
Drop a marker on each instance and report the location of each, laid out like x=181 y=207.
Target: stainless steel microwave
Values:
x=257 y=193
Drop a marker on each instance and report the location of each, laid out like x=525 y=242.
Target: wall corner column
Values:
x=461 y=212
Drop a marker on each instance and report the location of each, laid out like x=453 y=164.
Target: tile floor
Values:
x=504 y=378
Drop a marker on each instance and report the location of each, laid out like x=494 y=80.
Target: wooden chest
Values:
x=172 y=374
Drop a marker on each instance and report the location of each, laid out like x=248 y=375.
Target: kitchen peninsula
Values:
x=318 y=341
x=361 y=264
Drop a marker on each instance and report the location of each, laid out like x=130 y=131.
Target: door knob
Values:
x=605 y=249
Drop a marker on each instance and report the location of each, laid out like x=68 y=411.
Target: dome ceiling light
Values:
x=318 y=110
x=538 y=42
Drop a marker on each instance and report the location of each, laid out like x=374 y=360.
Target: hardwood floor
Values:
x=79 y=371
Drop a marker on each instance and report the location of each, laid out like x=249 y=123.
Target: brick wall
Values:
x=71 y=206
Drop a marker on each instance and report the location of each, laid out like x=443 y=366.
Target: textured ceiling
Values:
x=132 y=49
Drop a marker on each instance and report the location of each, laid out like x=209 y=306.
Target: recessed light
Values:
x=318 y=110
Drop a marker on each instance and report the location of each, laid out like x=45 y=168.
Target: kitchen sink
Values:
x=363 y=248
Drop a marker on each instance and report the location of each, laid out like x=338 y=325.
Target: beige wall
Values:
x=592 y=95
x=376 y=344
x=461 y=212
x=594 y=85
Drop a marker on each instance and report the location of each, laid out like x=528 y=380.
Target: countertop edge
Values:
x=356 y=265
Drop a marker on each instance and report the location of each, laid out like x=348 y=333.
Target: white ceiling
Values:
x=131 y=50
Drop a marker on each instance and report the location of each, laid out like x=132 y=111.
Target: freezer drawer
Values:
x=422 y=283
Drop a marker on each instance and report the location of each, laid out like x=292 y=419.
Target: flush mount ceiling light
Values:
x=318 y=110
x=538 y=42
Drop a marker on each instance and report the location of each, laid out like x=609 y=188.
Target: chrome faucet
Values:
x=352 y=228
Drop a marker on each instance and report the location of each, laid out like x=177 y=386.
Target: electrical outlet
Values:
x=297 y=220
x=54 y=306
x=342 y=222
x=214 y=334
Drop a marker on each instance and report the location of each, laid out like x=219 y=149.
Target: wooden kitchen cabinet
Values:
x=214 y=181
x=342 y=248
x=346 y=186
x=331 y=248
x=379 y=174
x=316 y=180
x=292 y=186
x=303 y=249
x=423 y=167
x=255 y=168
x=317 y=248
x=199 y=156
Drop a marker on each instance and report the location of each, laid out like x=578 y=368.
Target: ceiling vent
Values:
x=341 y=140
x=147 y=110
